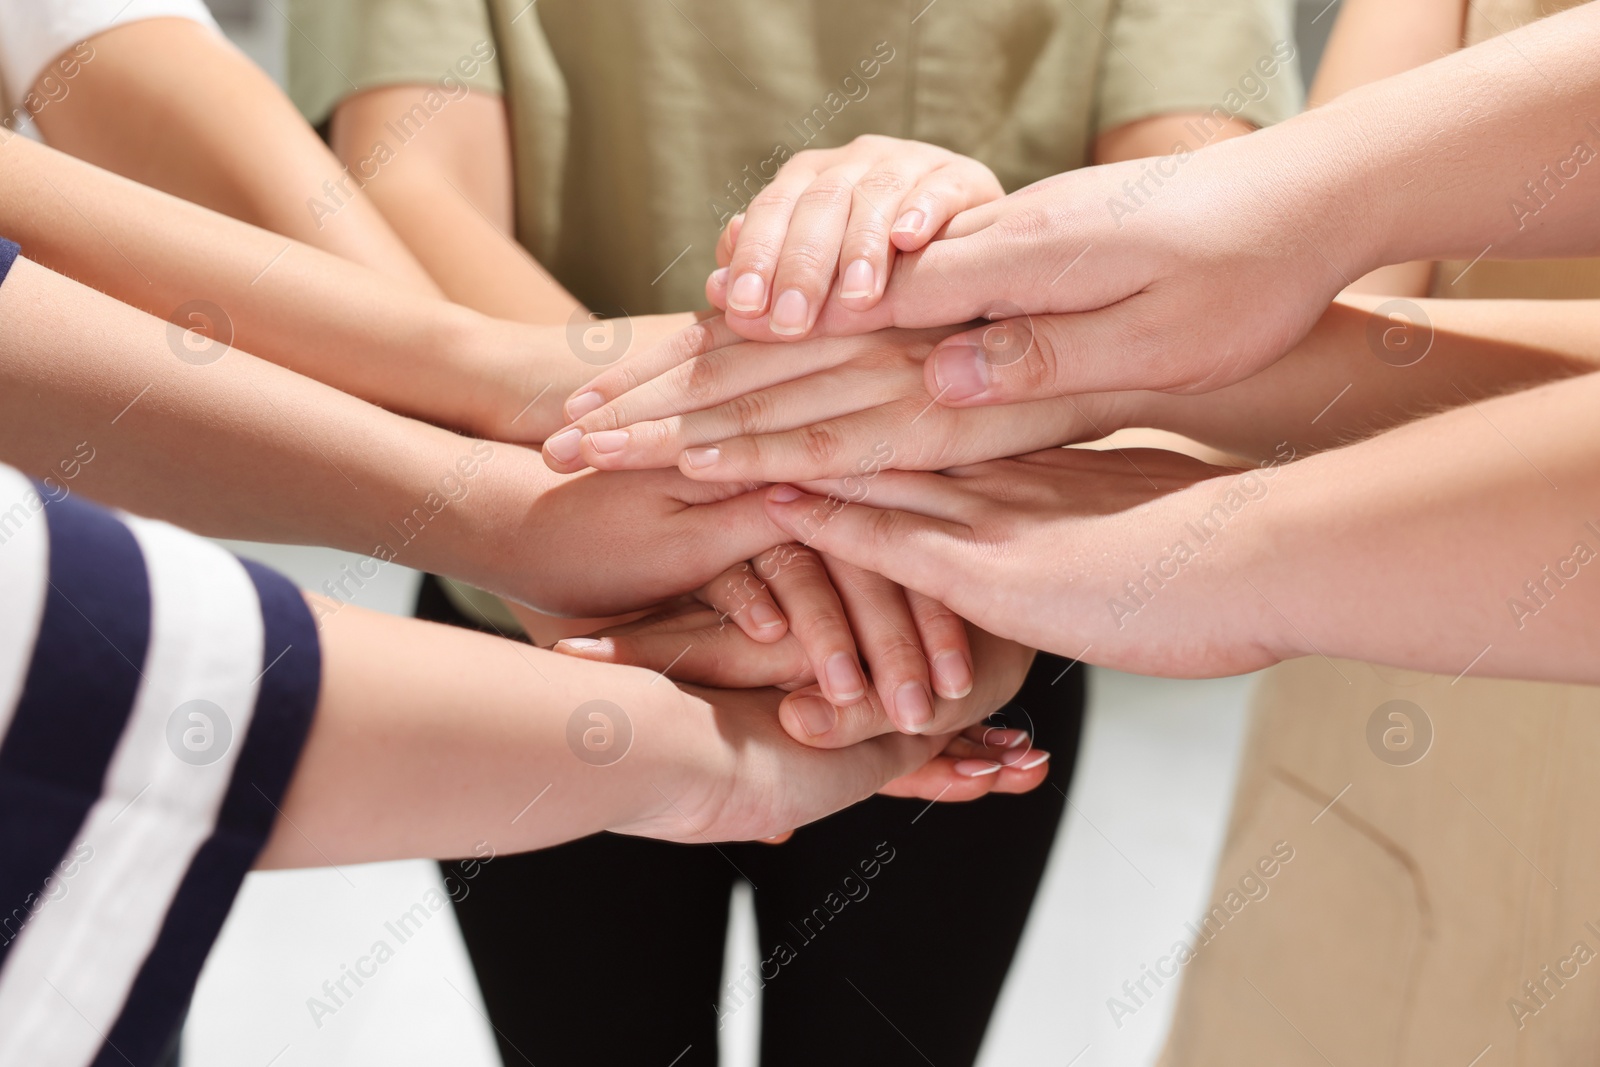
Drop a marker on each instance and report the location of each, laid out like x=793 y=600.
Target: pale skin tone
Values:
x=355 y=330
x=1300 y=211
x=162 y=101
x=1383 y=551
x=429 y=740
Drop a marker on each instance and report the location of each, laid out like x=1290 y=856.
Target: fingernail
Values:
x=702 y=457
x=816 y=715
x=564 y=445
x=999 y=737
x=749 y=293
x=858 y=281
x=954 y=674
x=913 y=706
x=910 y=222
x=719 y=278
x=960 y=370
x=577 y=644
x=1015 y=756
x=607 y=441
x=977 y=768
x=791 y=314
x=764 y=615
x=1038 y=758
x=844 y=678
x=583 y=403
x=784 y=494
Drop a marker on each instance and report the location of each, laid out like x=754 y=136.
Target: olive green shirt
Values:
x=640 y=126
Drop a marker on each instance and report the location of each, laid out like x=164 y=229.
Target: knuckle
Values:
x=702 y=380
x=882 y=182
x=807 y=262
x=751 y=413
x=826 y=194
x=819 y=444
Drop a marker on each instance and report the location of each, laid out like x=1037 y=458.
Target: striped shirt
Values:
x=155 y=692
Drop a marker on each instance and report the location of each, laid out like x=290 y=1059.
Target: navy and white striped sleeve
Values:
x=155 y=693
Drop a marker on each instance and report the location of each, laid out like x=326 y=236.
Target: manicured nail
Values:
x=910 y=222
x=1016 y=756
x=999 y=737
x=577 y=644
x=913 y=707
x=844 y=678
x=791 y=314
x=1038 y=758
x=702 y=457
x=608 y=441
x=564 y=445
x=784 y=494
x=749 y=294
x=858 y=281
x=977 y=768
x=816 y=715
x=764 y=615
x=960 y=370
x=719 y=278
x=583 y=403
x=954 y=674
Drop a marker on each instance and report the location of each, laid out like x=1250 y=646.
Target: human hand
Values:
x=515 y=377
x=1127 y=558
x=819 y=408
x=742 y=778
x=1107 y=280
x=800 y=620
x=837 y=212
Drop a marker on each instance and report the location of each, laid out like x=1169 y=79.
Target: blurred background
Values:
x=1145 y=821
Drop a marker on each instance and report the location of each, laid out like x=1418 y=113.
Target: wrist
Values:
x=510 y=379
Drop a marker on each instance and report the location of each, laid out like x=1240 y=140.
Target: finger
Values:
x=1029 y=358
x=810 y=257
x=944 y=641
x=718 y=655
x=729 y=239
x=745 y=600
x=949 y=780
x=695 y=340
x=755 y=258
x=732 y=391
x=866 y=249
x=816 y=449
x=797 y=578
x=889 y=642
x=939 y=197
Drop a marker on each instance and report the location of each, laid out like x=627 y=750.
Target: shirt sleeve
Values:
x=155 y=693
x=34 y=33
x=1224 y=58
x=346 y=46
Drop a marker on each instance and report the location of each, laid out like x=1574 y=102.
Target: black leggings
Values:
x=885 y=930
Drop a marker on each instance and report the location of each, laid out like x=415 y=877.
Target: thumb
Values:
x=1037 y=357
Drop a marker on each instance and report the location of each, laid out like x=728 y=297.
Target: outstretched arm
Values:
x=283 y=301
x=163 y=101
x=1182 y=569
x=242 y=448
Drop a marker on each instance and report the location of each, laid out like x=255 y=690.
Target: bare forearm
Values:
x=164 y=103
x=436 y=741
x=449 y=193
x=283 y=301
x=1360 y=372
x=237 y=447
x=1460 y=541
